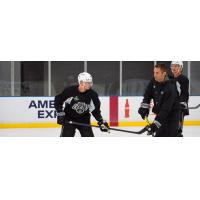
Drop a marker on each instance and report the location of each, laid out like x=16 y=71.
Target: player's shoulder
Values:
x=183 y=80
x=183 y=77
x=93 y=93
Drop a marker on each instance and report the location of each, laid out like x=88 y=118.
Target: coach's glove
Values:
x=184 y=108
x=152 y=128
x=144 y=110
x=103 y=125
x=60 y=118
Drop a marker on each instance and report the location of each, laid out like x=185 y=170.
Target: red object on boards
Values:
x=114 y=115
x=127 y=109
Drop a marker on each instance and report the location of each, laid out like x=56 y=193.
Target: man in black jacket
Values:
x=166 y=104
x=182 y=84
x=80 y=100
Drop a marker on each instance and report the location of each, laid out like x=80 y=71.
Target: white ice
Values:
x=189 y=131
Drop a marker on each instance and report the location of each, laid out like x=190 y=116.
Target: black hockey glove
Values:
x=184 y=108
x=103 y=125
x=152 y=128
x=61 y=118
x=144 y=112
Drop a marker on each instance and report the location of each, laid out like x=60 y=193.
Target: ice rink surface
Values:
x=189 y=131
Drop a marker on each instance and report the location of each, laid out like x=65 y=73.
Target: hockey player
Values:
x=80 y=100
x=182 y=84
x=166 y=104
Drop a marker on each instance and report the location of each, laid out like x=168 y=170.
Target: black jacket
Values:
x=78 y=106
x=165 y=99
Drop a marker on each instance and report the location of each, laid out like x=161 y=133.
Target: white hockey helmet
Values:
x=84 y=77
x=180 y=63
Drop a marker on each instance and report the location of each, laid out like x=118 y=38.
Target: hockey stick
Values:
x=195 y=107
x=114 y=129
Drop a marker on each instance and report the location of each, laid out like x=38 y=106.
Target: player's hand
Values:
x=183 y=105
x=184 y=108
x=61 y=118
x=144 y=112
x=152 y=128
x=103 y=125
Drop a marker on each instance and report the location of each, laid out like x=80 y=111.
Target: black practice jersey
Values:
x=77 y=105
x=182 y=84
x=165 y=99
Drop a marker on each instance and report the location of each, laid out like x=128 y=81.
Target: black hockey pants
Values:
x=69 y=130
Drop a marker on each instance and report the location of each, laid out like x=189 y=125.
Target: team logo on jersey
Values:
x=80 y=107
x=76 y=98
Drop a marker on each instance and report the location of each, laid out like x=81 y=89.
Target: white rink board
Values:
x=34 y=109
x=41 y=109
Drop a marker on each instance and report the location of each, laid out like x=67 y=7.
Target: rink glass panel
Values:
x=34 y=80
x=106 y=75
x=64 y=74
x=195 y=78
x=135 y=77
x=5 y=78
x=48 y=78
